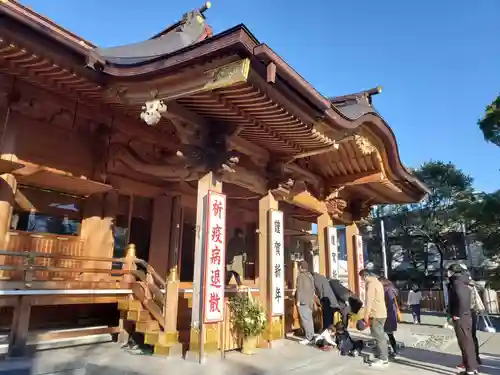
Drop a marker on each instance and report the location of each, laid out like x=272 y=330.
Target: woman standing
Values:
x=391 y=323
x=414 y=300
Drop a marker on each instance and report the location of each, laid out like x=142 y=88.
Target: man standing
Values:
x=375 y=314
x=235 y=246
x=327 y=298
x=459 y=308
x=304 y=296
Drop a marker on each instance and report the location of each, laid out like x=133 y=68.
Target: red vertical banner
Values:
x=215 y=258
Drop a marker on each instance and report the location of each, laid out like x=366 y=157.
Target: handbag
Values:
x=398 y=312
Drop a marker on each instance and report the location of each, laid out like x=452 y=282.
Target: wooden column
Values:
x=159 y=247
x=266 y=203
x=18 y=335
x=108 y=222
x=323 y=222
x=211 y=332
x=351 y=231
x=8 y=188
x=97 y=230
x=169 y=339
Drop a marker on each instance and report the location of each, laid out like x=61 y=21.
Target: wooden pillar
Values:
x=126 y=282
x=8 y=188
x=97 y=230
x=266 y=203
x=18 y=335
x=160 y=235
x=168 y=342
x=351 y=231
x=108 y=222
x=323 y=222
x=210 y=331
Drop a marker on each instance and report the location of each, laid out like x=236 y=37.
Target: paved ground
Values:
x=428 y=350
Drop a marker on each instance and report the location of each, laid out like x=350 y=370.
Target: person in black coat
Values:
x=347 y=301
x=459 y=308
x=327 y=298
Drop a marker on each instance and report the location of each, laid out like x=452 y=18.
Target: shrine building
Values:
x=129 y=173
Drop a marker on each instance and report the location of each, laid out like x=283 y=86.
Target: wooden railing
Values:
x=25 y=242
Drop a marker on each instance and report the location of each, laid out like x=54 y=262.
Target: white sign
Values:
x=333 y=250
x=360 y=264
x=215 y=258
x=277 y=250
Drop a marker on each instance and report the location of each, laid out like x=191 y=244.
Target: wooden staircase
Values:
x=145 y=311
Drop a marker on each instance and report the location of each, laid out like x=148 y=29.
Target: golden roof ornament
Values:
x=364 y=145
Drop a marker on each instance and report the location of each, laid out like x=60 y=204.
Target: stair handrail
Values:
x=151 y=270
x=153 y=290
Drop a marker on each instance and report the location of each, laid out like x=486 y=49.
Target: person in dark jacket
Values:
x=327 y=298
x=235 y=246
x=347 y=301
x=459 y=308
x=475 y=309
x=391 y=323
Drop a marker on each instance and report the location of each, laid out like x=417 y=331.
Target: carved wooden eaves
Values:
x=183 y=84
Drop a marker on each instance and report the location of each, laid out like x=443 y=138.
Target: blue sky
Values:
x=437 y=60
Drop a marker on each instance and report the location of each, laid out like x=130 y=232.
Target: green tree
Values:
x=435 y=217
x=483 y=218
x=490 y=123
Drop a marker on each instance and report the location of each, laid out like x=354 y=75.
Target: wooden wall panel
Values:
x=45 y=144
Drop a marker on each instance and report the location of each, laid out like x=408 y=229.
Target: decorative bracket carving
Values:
x=336 y=207
x=152 y=111
x=359 y=209
x=364 y=145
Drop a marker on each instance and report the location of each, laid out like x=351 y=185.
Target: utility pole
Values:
x=384 y=250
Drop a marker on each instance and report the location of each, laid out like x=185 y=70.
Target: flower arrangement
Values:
x=248 y=316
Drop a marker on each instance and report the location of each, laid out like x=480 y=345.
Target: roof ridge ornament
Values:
x=191 y=29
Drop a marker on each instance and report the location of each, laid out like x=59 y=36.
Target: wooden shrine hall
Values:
x=119 y=165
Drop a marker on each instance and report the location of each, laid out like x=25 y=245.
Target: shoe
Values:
x=379 y=363
x=304 y=342
x=469 y=373
x=394 y=356
x=461 y=366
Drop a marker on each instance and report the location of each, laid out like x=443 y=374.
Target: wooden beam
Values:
x=318 y=151
x=73 y=300
x=76 y=333
x=316 y=180
x=128 y=186
x=186 y=83
x=23 y=202
x=307 y=201
x=358 y=179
